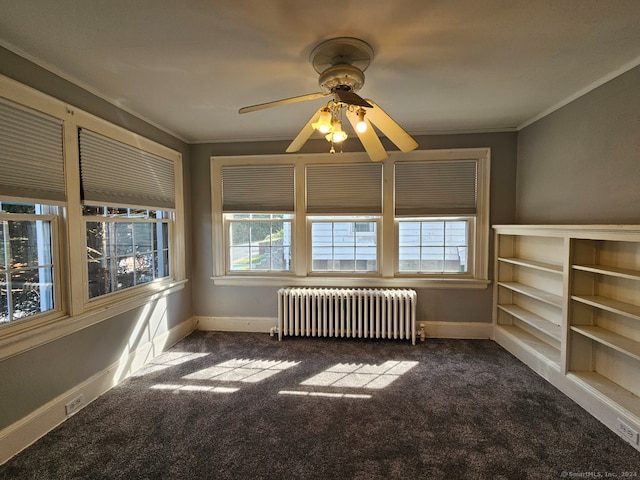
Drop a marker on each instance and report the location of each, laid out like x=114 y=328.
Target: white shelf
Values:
x=611 y=391
x=536 y=293
x=604 y=303
x=610 y=339
x=611 y=271
x=536 y=321
x=533 y=344
x=545 y=267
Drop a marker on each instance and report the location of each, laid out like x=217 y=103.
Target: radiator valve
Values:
x=422 y=332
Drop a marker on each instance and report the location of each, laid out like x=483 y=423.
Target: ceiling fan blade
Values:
x=304 y=134
x=390 y=128
x=369 y=139
x=284 y=101
x=350 y=98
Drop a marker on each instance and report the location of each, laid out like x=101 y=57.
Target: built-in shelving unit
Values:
x=567 y=303
x=529 y=293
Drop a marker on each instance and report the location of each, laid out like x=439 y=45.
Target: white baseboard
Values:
x=468 y=330
x=236 y=324
x=264 y=325
x=24 y=432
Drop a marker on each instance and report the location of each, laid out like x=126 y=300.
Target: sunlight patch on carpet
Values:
x=241 y=370
x=167 y=360
x=176 y=388
x=358 y=375
x=302 y=393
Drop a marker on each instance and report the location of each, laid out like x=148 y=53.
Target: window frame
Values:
x=54 y=217
x=471 y=227
x=13 y=333
x=227 y=236
x=476 y=278
x=168 y=218
x=74 y=311
x=311 y=219
x=177 y=270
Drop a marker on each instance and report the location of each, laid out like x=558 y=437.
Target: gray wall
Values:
x=581 y=164
x=35 y=377
x=433 y=304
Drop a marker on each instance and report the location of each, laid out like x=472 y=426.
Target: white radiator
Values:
x=347 y=312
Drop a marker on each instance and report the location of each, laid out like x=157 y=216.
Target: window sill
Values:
x=19 y=340
x=276 y=281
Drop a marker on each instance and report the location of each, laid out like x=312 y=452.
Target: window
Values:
x=433 y=246
x=26 y=261
x=125 y=247
x=259 y=242
x=436 y=206
x=32 y=198
x=257 y=205
x=343 y=238
x=346 y=245
x=364 y=227
x=415 y=219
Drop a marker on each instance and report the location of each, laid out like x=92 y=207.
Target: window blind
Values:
x=265 y=188
x=436 y=188
x=344 y=188
x=31 y=154
x=114 y=173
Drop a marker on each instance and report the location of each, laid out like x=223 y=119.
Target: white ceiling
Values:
x=439 y=65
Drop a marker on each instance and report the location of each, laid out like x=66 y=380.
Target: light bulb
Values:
x=339 y=137
x=361 y=126
x=338 y=134
x=324 y=128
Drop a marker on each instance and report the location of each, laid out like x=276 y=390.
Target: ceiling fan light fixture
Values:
x=337 y=135
x=323 y=125
x=361 y=126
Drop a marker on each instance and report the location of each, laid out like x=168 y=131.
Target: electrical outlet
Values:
x=74 y=405
x=627 y=432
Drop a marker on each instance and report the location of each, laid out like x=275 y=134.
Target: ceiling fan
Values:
x=341 y=63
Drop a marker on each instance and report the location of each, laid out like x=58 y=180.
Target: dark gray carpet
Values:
x=462 y=409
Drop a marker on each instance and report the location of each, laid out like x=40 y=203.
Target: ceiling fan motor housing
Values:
x=341 y=76
x=341 y=62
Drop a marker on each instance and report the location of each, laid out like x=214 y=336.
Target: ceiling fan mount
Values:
x=341 y=51
x=340 y=63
